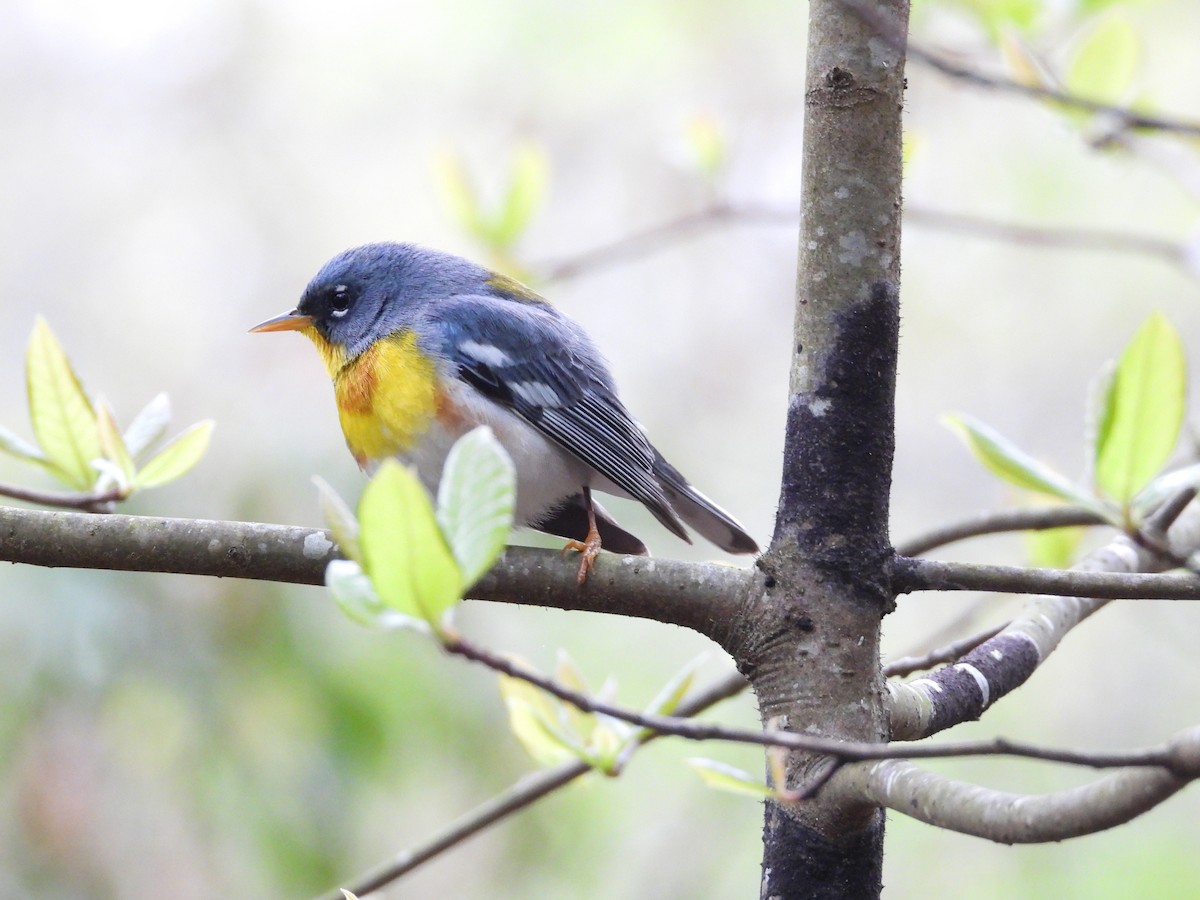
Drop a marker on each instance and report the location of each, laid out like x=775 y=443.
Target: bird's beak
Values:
x=289 y=321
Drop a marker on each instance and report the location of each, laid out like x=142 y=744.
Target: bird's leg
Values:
x=589 y=547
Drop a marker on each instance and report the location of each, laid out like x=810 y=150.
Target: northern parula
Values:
x=423 y=346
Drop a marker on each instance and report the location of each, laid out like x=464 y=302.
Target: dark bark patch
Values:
x=839 y=444
x=961 y=691
x=800 y=863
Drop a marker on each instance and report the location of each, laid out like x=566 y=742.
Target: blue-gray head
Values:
x=365 y=293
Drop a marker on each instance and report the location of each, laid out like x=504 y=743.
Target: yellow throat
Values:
x=386 y=396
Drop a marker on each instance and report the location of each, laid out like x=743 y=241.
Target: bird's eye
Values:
x=339 y=300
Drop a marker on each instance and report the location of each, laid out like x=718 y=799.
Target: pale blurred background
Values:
x=171 y=174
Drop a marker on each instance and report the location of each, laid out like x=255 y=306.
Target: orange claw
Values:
x=590 y=546
x=589 y=549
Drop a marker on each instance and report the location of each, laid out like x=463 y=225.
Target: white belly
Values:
x=546 y=474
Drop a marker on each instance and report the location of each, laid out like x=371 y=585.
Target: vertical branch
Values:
x=810 y=640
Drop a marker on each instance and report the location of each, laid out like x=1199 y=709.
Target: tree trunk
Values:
x=809 y=641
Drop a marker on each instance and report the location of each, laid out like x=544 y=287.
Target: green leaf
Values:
x=1089 y=7
x=912 y=145
x=581 y=725
x=356 y=598
x=403 y=549
x=19 y=447
x=535 y=719
x=601 y=735
x=724 y=777
x=553 y=730
x=351 y=589
x=998 y=16
x=149 y=426
x=1016 y=466
x=178 y=457
x=1053 y=548
x=1104 y=64
x=63 y=419
x=569 y=675
x=476 y=497
x=706 y=146
x=674 y=690
x=1165 y=486
x=340 y=519
x=1144 y=410
x=1022 y=64
x=112 y=444
x=1098 y=416
x=605 y=747
x=526 y=187
x=459 y=194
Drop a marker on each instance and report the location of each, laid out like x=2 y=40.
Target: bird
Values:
x=423 y=346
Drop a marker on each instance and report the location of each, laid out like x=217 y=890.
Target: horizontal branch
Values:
x=285 y=553
x=704 y=597
x=936 y=575
x=700 y=596
x=962 y=691
x=1024 y=819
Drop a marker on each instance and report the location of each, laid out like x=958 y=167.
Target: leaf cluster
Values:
x=78 y=441
x=408 y=564
x=1141 y=406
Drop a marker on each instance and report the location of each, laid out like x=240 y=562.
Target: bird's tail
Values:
x=709 y=520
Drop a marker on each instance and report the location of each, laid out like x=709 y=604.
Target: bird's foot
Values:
x=589 y=549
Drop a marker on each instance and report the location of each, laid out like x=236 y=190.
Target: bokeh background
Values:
x=171 y=174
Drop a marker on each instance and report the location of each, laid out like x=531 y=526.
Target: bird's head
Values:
x=367 y=293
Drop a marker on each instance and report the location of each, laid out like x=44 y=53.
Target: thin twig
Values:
x=1035 y=519
x=520 y=796
x=891 y=30
x=1153 y=533
x=92 y=501
x=726 y=213
x=937 y=575
x=1049 y=237
x=1164 y=517
x=822 y=778
x=847 y=751
x=644 y=243
x=906 y=665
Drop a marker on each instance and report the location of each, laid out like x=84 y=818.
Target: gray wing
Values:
x=529 y=358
